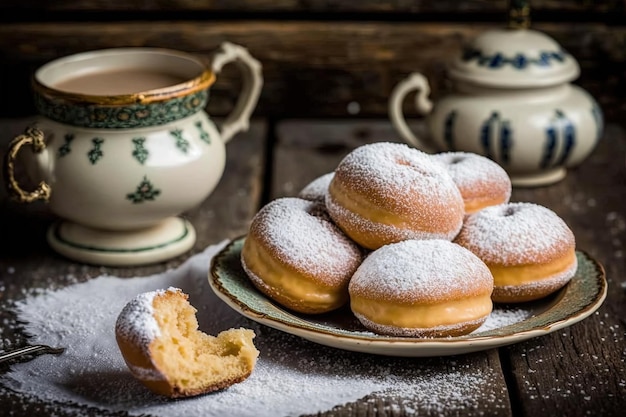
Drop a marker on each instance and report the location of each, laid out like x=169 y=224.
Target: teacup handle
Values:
x=35 y=138
x=239 y=119
x=414 y=82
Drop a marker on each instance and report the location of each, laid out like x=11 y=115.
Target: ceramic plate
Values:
x=340 y=329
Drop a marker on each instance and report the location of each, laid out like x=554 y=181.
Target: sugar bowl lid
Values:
x=514 y=58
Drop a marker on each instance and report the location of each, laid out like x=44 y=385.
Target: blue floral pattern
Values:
x=497 y=132
x=560 y=134
x=519 y=61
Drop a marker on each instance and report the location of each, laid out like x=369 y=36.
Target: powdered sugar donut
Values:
x=317 y=189
x=296 y=256
x=528 y=248
x=421 y=288
x=157 y=333
x=388 y=192
x=481 y=181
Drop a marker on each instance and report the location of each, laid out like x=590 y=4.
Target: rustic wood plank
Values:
x=326 y=6
x=311 y=69
x=490 y=397
x=585 y=361
x=305 y=150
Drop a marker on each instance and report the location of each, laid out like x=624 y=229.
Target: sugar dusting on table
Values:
x=292 y=377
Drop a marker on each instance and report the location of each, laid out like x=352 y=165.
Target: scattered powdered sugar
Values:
x=292 y=376
x=502 y=317
x=516 y=233
x=443 y=389
x=316 y=190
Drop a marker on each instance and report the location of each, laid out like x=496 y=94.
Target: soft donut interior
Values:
x=193 y=361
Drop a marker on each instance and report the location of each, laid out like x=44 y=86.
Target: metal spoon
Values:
x=26 y=350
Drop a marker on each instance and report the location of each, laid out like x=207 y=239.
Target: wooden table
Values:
x=578 y=371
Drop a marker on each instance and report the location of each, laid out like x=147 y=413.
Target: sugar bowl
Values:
x=513 y=102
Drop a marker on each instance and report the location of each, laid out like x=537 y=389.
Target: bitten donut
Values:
x=481 y=181
x=157 y=334
x=317 y=189
x=422 y=288
x=296 y=256
x=528 y=248
x=388 y=192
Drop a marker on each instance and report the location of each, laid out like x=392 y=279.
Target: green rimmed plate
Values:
x=340 y=329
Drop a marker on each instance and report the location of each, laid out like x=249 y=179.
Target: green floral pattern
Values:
x=123 y=116
x=65 y=148
x=181 y=142
x=145 y=192
x=96 y=152
x=203 y=133
x=140 y=153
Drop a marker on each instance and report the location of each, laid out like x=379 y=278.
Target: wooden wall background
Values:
x=320 y=57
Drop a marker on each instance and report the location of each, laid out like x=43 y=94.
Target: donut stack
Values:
x=419 y=245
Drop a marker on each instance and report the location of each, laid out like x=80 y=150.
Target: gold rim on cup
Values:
x=201 y=82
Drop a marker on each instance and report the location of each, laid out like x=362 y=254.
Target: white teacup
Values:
x=123 y=146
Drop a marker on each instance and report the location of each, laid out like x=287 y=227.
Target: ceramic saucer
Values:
x=577 y=300
x=167 y=239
